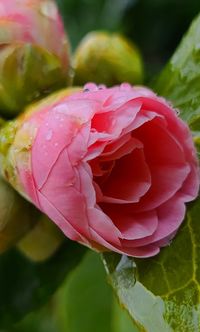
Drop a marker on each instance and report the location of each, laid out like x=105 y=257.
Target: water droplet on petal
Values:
x=59 y=109
x=102 y=87
x=177 y=111
x=49 y=135
x=90 y=87
x=49 y=9
x=125 y=86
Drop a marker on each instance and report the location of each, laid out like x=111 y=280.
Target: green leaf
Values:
x=121 y=321
x=87 y=299
x=84 y=303
x=42 y=320
x=163 y=293
x=180 y=80
x=25 y=285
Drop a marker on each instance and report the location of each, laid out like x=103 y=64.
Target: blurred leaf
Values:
x=42 y=320
x=163 y=293
x=84 y=303
x=25 y=285
x=87 y=303
x=121 y=321
x=87 y=299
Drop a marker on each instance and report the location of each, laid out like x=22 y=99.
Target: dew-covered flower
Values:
x=112 y=167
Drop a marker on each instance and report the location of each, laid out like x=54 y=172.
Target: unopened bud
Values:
x=16 y=216
x=34 y=53
x=42 y=241
x=107 y=58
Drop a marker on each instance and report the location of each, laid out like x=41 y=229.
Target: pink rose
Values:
x=113 y=168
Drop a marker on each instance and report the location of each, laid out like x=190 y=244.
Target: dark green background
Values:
x=155 y=25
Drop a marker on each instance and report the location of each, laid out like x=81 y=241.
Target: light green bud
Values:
x=107 y=58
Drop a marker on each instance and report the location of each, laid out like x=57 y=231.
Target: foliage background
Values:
x=155 y=25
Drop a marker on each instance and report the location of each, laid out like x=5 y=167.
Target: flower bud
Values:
x=34 y=52
x=12 y=144
x=42 y=241
x=107 y=58
x=16 y=218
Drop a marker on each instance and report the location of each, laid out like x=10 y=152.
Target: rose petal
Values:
x=132 y=226
x=142 y=252
x=130 y=179
x=166 y=161
x=170 y=216
x=50 y=210
x=116 y=151
x=28 y=183
x=70 y=190
x=103 y=226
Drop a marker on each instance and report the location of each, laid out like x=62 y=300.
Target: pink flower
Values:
x=113 y=168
